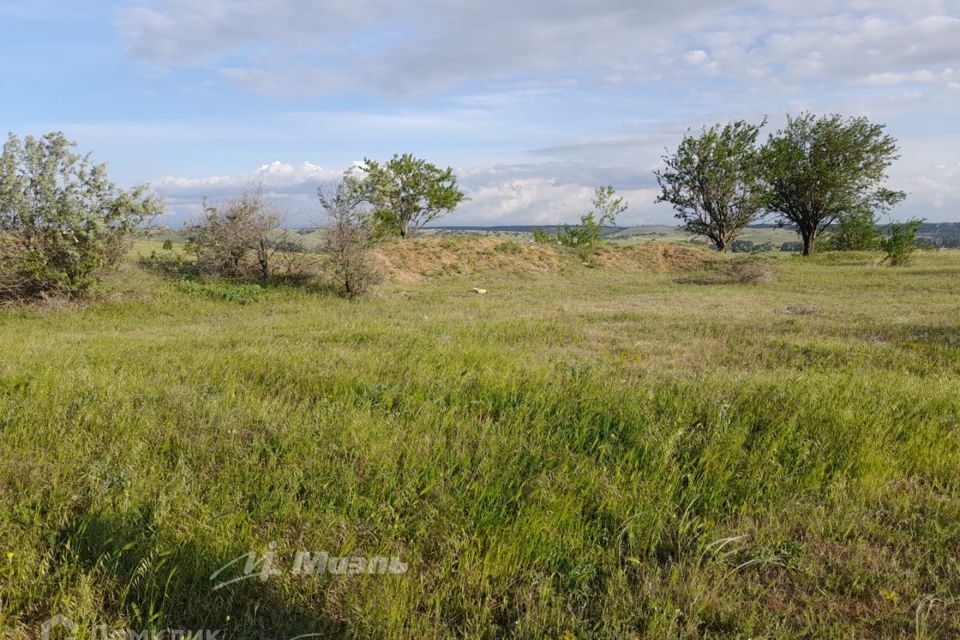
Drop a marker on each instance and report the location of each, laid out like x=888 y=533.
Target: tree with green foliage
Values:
x=62 y=221
x=856 y=231
x=584 y=238
x=714 y=181
x=899 y=242
x=588 y=235
x=407 y=192
x=819 y=169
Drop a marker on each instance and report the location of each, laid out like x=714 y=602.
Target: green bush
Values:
x=62 y=222
x=899 y=242
x=855 y=232
x=586 y=238
x=542 y=236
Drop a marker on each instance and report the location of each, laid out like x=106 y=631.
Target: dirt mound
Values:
x=421 y=258
x=661 y=257
x=424 y=258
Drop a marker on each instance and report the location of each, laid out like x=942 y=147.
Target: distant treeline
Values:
x=934 y=234
x=940 y=234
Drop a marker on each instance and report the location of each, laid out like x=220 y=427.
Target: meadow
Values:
x=622 y=450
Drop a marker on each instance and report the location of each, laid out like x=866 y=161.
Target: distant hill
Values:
x=937 y=234
x=941 y=234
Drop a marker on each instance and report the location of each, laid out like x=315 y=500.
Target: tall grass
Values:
x=608 y=455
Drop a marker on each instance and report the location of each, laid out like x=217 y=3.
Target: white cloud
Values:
x=540 y=200
x=588 y=86
x=291 y=188
x=698 y=56
x=294 y=47
x=543 y=193
x=919 y=76
x=274 y=175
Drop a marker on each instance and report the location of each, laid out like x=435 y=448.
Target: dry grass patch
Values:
x=422 y=258
x=659 y=257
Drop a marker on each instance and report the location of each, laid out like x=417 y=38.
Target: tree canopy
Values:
x=714 y=182
x=821 y=168
x=408 y=192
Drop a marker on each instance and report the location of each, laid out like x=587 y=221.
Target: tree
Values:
x=408 y=192
x=899 y=242
x=855 y=232
x=588 y=235
x=350 y=233
x=821 y=168
x=62 y=221
x=584 y=238
x=714 y=181
x=234 y=238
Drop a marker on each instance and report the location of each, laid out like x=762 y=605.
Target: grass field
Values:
x=579 y=453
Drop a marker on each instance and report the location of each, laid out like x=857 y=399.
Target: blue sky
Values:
x=534 y=102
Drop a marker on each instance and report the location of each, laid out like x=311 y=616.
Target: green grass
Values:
x=606 y=454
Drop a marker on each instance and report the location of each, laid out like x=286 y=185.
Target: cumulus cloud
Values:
x=539 y=200
x=501 y=194
x=275 y=175
x=299 y=46
x=291 y=188
x=573 y=94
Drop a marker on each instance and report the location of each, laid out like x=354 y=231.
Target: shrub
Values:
x=62 y=222
x=899 y=242
x=241 y=238
x=855 y=232
x=350 y=234
x=542 y=236
x=586 y=238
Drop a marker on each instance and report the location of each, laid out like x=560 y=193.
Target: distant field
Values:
x=945 y=235
x=630 y=449
x=631 y=234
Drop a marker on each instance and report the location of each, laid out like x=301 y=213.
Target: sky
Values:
x=534 y=103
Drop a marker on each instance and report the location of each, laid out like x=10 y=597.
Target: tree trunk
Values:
x=264 y=258
x=809 y=242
